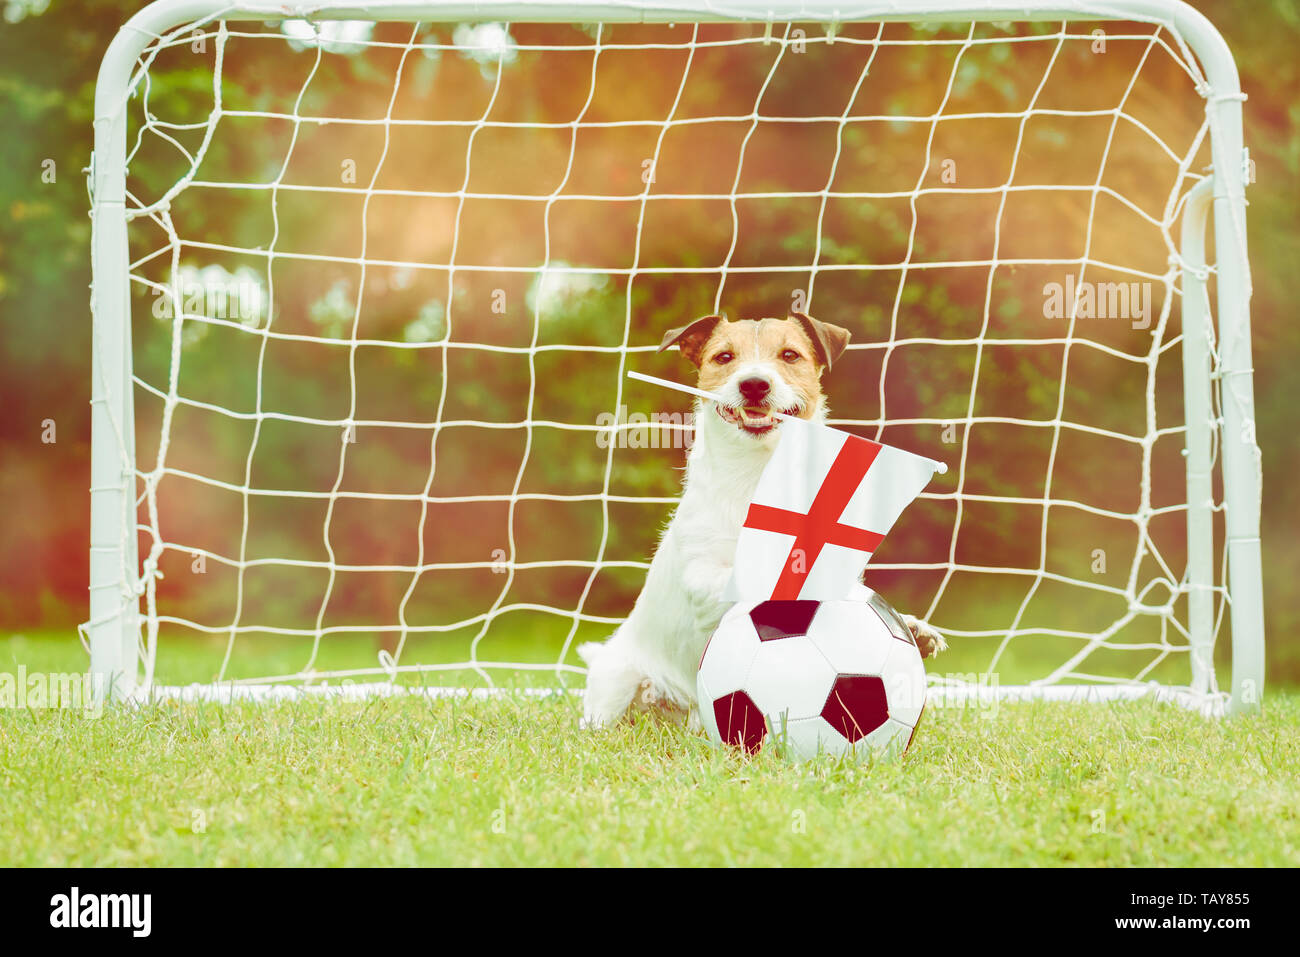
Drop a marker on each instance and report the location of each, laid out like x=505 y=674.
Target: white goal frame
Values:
x=114 y=624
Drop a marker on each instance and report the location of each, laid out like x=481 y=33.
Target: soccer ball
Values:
x=820 y=676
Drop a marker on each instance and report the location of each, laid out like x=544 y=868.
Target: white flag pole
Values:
x=691 y=390
x=939 y=467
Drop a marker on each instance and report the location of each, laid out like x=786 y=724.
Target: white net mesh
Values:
x=388 y=280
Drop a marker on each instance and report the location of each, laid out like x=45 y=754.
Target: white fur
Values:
x=681 y=603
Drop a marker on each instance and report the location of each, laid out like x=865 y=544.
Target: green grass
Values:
x=532 y=637
x=509 y=781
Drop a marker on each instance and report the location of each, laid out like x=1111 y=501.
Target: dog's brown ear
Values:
x=691 y=337
x=829 y=341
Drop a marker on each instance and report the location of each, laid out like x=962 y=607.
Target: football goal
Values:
x=369 y=279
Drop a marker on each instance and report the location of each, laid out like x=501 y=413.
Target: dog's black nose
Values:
x=755 y=390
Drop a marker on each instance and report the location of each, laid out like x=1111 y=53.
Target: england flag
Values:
x=823 y=504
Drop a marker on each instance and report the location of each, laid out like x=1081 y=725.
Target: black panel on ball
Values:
x=783 y=619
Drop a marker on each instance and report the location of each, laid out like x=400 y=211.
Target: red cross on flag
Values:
x=823 y=504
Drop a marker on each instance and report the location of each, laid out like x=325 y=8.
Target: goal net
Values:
x=365 y=310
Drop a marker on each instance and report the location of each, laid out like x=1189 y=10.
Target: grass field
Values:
x=511 y=781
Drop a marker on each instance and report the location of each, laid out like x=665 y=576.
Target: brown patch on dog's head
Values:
x=691 y=337
x=790 y=354
x=830 y=341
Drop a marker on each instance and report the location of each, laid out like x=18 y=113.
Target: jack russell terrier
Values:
x=757 y=367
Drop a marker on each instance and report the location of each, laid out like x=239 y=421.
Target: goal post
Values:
x=1216 y=574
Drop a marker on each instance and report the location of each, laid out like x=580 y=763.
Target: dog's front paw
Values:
x=929 y=641
x=651 y=700
x=594 y=720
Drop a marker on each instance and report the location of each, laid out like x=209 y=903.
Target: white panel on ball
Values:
x=887 y=742
x=892 y=619
x=728 y=658
x=852 y=637
x=805 y=737
x=905 y=686
x=790 y=675
x=705 y=698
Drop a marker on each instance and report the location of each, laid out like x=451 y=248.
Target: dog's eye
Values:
x=791 y=356
x=722 y=358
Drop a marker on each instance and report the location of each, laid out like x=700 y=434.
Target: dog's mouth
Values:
x=754 y=419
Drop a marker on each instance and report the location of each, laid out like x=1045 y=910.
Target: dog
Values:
x=757 y=367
